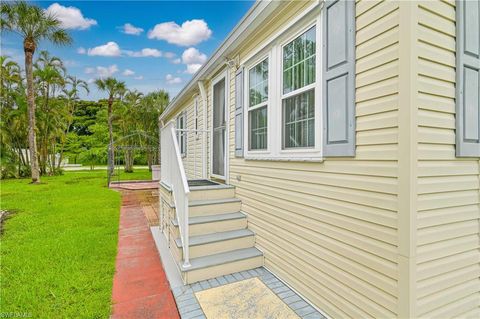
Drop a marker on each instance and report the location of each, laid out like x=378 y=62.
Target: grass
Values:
x=58 y=247
x=138 y=174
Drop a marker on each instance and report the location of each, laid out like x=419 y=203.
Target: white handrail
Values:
x=173 y=175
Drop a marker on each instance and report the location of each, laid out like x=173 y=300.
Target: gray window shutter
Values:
x=338 y=78
x=239 y=113
x=468 y=79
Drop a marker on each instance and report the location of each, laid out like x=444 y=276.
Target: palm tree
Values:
x=115 y=89
x=49 y=75
x=33 y=24
x=128 y=122
x=11 y=76
x=13 y=122
x=72 y=97
x=153 y=105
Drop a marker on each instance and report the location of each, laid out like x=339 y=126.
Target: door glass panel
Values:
x=219 y=104
x=219 y=152
x=219 y=129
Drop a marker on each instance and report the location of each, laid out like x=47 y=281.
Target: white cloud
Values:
x=145 y=52
x=193 y=59
x=193 y=68
x=169 y=55
x=192 y=56
x=173 y=80
x=140 y=77
x=70 y=17
x=190 y=32
x=129 y=28
x=177 y=61
x=128 y=72
x=109 y=49
x=102 y=71
x=81 y=50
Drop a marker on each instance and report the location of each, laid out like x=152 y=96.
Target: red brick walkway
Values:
x=140 y=287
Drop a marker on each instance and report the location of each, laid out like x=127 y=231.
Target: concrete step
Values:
x=212 y=266
x=215 y=243
x=201 y=225
x=214 y=206
x=211 y=192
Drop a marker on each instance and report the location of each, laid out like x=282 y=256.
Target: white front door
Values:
x=219 y=127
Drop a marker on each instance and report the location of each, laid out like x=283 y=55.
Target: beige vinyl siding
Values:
x=193 y=160
x=448 y=255
x=330 y=229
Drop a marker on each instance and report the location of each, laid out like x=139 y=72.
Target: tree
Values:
x=72 y=98
x=33 y=24
x=13 y=122
x=49 y=74
x=128 y=121
x=152 y=106
x=115 y=90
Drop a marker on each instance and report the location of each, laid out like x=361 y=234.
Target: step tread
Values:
x=211 y=187
x=211 y=218
x=222 y=258
x=215 y=237
x=203 y=202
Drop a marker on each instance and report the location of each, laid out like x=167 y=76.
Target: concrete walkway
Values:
x=140 y=286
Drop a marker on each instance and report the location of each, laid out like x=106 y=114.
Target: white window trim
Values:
x=274 y=53
x=224 y=75
x=183 y=150
x=247 y=109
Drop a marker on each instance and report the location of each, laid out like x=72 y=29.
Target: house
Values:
x=337 y=144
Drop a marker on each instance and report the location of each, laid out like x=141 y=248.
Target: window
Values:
x=257 y=105
x=282 y=97
x=181 y=134
x=298 y=91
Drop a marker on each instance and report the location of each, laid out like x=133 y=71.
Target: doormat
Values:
x=245 y=299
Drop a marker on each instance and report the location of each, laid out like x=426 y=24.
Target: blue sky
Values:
x=165 y=42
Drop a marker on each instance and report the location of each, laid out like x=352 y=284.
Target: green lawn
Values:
x=58 y=248
x=138 y=174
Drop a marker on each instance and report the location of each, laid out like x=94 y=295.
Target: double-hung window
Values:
x=298 y=91
x=300 y=88
x=181 y=133
x=283 y=97
x=257 y=106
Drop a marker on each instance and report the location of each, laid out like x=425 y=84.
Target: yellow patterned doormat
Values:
x=246 y=299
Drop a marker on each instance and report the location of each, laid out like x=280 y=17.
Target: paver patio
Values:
x=259 y=299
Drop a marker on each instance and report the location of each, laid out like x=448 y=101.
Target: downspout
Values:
x=203 y=94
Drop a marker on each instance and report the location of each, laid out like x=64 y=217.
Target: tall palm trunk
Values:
x=29 y=49
x=110 y=133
